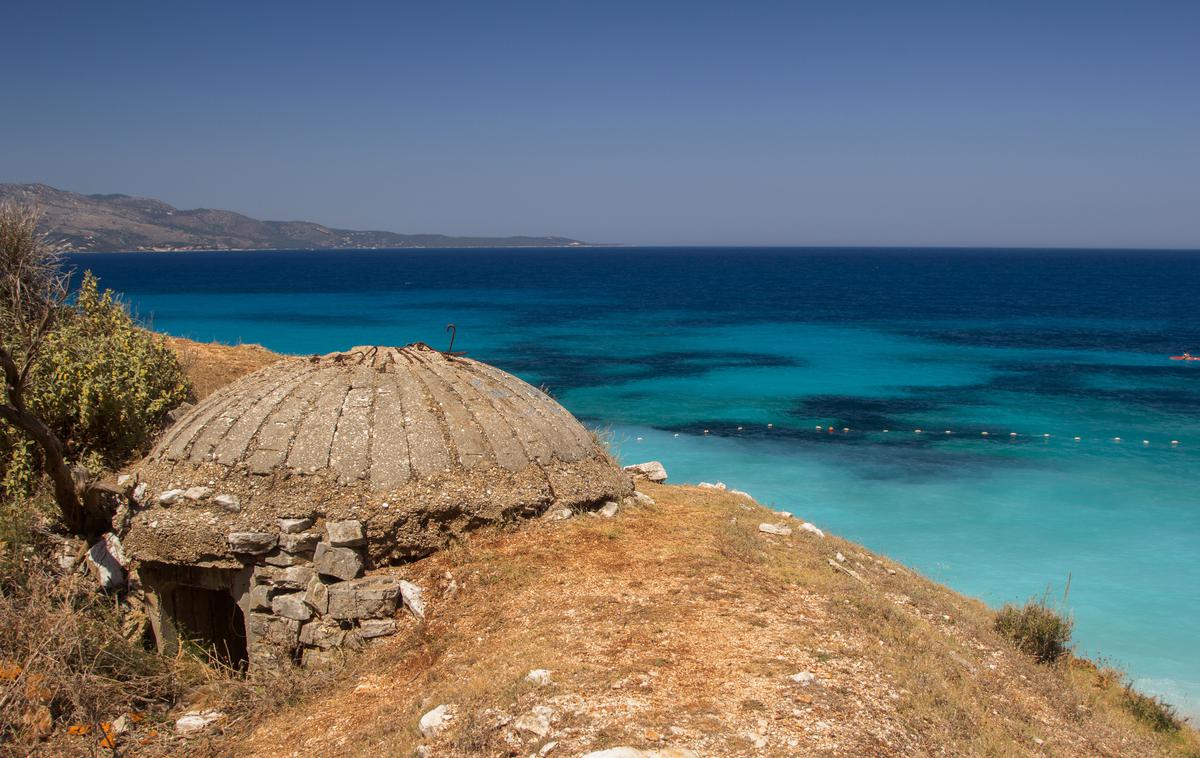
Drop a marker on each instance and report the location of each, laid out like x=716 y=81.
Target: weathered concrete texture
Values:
x=412 y=445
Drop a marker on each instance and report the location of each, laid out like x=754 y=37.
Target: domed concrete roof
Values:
x=416 y=443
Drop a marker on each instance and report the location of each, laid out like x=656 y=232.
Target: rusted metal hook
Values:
x=453 y=333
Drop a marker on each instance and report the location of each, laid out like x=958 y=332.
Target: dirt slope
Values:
x=682 y=625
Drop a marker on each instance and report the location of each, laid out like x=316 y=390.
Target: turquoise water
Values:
x=659 y=345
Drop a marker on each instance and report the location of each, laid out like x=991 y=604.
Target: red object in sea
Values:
x=1185 y=357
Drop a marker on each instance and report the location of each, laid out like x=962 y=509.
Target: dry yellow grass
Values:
x=212 y=365
x=680 y=624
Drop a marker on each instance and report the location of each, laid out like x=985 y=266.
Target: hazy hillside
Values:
x=121 y=222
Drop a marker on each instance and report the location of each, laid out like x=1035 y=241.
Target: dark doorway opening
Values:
x=210 y=620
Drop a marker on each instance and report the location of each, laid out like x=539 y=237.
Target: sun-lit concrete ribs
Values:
x=380 y=416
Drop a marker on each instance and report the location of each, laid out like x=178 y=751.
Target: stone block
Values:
x=251 y=543
x=371 y=628
x=270 y=640
x=294 y=525
x=291 y=606
x=338 y=562
x=283 y=560
x=369 y=597
x=259 y=597
x=197 y=493
x=299 y=543
x=290 y=578
x=316 y=594
x=413 y=601
x=347 y=533
x=322 y=633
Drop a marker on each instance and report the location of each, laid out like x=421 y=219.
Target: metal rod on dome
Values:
x=450 y=350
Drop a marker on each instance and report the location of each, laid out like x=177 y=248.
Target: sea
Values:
x=1007 y=422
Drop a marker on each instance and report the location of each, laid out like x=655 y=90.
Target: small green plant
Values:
x=1036 y=628
x=1153 y=711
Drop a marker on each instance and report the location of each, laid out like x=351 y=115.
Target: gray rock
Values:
x=322 y=633
x=197 y=493
x=290 y=578
x=540 y=677
x=536 y=721
x=777 y=529
x=106 y=565
x=124 y=480
x=434 y=721
x=291 y=606
x=196 y=721
x=338 y=562
x=810 y=528
x=259 y=597
x=139 y=492
x=371 y=628
x=347 y=533
x=230 y=503
x=270 y=640
x=299 y=543
x=294 y=525
x=608 y=510
x=251 y=543
x=369 y=597
x=179 y=411
x=169 y=497
x=652 y=470
x=413 y=601
x=804 y=677
x=277 y=558
x=316 y=594
x=558 y=514
x=641 y=498
x=318 y=659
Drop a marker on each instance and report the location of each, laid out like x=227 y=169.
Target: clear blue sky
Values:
x=990 y=123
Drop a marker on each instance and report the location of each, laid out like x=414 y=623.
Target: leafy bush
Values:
x=104 y=385
x=1153 y=711
x=1036 y=629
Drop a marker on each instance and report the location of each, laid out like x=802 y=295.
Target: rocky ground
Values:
x=700 y=622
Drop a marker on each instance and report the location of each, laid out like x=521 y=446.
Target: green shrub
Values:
x=1036 y=628
x=1153 y=711
x=104 y=385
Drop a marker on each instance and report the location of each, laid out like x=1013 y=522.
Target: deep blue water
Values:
x=662 y=344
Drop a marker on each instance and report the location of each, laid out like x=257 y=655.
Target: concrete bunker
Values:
x=284 y=497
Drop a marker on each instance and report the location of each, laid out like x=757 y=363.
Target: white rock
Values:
x=228 y=502
x=539 y=677
x=548 y=747
x=785 y=514
x=294 y=525
x=197 y=493
x=139 y=492
x=411 y=594
x=810 y=528
x=804 y=677
x=642 y=498
x=652 y=470
x=558 y=514
x=197 y=720
x=740 y=493
x=840 y=558
x=433 y=722
x=778 y=529
x=124 y=479
x=107 y=565
x=608 y=510
x=711 y=486
x=169 y=497
x=536 y=721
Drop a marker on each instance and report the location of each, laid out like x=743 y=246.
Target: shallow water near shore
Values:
x=760 y=347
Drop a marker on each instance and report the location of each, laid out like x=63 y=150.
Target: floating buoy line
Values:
x=1045 y=436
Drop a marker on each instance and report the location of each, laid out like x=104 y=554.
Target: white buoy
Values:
x=845 y=428
x=1116 y=439
x=739 y=428
x=983 y=434
x=949 y=432
x=916 y=431
x=770 y=426
x=1045 y=435
x=1077 y=439
x=885 y=431
x=1145 y=442
x=706 y=431
x=1174 y=442
x=819 y=427
x=1012 y=434
x=639 y=439
x=676 y=434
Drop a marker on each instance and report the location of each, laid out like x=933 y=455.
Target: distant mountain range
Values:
x=121 y=222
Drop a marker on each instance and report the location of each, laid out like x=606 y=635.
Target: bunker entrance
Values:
x=210 y=621
x=195 y=609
